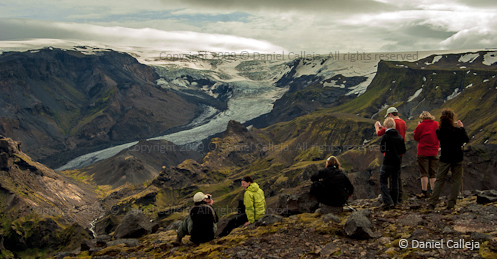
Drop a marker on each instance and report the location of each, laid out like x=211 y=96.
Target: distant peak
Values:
x=235 y=127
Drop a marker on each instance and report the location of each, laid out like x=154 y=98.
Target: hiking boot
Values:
x=177 y=242
x=423 y=195
x=386 y=207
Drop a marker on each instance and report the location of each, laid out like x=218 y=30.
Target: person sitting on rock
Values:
x=254 y=203
x=330 y=185
x=201 y=223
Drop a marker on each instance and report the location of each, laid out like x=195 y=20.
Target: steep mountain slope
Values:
x=283 y=156
x=425 y=84
x=136 y=165
x=57 y=101
x=40 y=209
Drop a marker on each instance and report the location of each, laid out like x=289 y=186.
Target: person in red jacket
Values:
x=426 y=135
x=400 y=126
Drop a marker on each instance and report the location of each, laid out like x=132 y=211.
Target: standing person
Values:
x=426 y=135
x=330 y=185
x=393 y=146
x=401 y=127
x=452 y=137
x=201 y=222
x=254 y=205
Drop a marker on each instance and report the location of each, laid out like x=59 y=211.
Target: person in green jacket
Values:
x=253 y=199
x=251 y=209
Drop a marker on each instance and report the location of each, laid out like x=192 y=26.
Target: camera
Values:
x=209 y=197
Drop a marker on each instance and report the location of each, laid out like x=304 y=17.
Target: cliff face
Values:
x=40 y=209
x=29 y=187
x=57 y=101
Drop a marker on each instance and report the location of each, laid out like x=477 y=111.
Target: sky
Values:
x=313 y=26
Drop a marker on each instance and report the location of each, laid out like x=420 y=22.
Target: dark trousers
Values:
x=389 y=196
x=235 y=222
x=401 y=190
x=443 y=170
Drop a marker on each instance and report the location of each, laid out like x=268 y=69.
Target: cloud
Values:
x=318 y=26
x=471 y=38
x=320 y=6
x=18 y=29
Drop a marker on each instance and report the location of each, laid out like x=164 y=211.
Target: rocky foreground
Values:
x=408 y=231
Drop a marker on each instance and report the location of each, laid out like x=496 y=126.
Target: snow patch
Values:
x=486 y=80
x=424 y=78
x=454 y=94
x=333 y=83
x=435 y=60
x=469 y=57
x=462 y=67
x=416 y=94
x=383 y=107
x=470 y=85
x=490 y=58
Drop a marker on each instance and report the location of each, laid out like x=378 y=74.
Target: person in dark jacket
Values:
x=201 y=223
x=452 y=137
x=330 y=185
x=426 y=135
x=393 y=147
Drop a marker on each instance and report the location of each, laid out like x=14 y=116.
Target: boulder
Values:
x=480 y=237
x=134 y=225
x=101 y=241
x=486 y=196
x=130 y=242
x=325 y=209
x=297 y=203
x=62 y=255
x=86 y=245
x=329 y=249
x=269 y=219
x=106 y=225
x=358 y=225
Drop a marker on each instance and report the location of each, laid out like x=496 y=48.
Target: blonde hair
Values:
x=332 y=161
x=389 y=123
x=426 y=116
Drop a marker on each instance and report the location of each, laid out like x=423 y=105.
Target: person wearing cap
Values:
x=427 y=151
x=393 y=146
x=201 y=222
x=401 y=127
x=330 y=185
